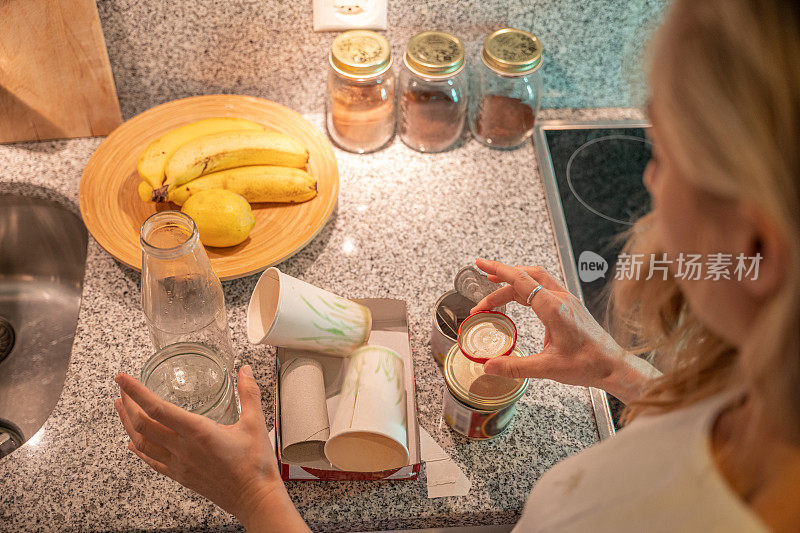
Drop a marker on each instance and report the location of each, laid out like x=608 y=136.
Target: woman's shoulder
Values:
x=657 y=474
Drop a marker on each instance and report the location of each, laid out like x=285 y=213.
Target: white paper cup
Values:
x=369 y=432
x=287 y=312
x=304 y=414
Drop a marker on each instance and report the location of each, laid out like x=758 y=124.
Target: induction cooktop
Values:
x=592 y=173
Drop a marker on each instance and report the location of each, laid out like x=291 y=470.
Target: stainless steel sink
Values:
x=42 y=262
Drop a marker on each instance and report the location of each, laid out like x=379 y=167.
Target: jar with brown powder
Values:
x=433 y=92
x=505 y=88
x=360 y=114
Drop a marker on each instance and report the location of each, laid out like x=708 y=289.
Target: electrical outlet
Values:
x=333 y=15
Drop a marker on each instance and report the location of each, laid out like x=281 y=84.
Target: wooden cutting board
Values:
x=55 y=78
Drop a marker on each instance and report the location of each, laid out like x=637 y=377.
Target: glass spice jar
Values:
x=505 y=88
x=361 y=97
x=433 y=92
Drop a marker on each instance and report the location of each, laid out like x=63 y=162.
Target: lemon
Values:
x=223 y=217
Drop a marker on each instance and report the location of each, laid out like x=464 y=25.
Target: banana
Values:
x=153 y=159
x=260 y=183
x=145 y=191
x=230 y=149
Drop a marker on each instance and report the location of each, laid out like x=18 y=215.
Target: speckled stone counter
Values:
x=161 y=51
x=405 y=223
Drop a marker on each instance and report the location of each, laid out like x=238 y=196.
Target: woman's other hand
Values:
x=576 y=349
x=233 y=466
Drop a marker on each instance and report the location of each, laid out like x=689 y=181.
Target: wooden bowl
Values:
x=113 y=212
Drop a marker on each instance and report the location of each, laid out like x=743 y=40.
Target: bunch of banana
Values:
x=225 y=153
x=153 y=161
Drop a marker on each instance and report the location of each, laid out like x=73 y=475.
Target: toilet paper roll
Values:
x=304 y=415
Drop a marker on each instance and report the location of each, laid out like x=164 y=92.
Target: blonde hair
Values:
x=726 y=76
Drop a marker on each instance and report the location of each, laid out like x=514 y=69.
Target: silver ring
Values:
x=532 y=294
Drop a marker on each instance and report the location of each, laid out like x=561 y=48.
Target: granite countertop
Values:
x=405 y=223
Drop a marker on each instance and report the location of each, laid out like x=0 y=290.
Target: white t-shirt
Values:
x=657 y=474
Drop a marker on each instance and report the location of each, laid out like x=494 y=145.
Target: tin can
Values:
x=477 y=405
x=441 y=338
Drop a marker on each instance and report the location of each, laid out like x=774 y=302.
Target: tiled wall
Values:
x=162 y=50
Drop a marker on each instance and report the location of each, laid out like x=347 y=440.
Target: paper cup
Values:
x=369 y=432
x=287 y=312
x=304 y=414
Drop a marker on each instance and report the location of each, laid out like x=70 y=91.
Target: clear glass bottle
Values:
x=505 y=89
x=182 y=298
x=360 y=113
x=193 y=377
x=432 y=92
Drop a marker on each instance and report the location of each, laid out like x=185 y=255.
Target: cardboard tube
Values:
x=304 y=415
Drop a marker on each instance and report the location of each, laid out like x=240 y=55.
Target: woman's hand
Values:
x=233 y=466
x=576 y=350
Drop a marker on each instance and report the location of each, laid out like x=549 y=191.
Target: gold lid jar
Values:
x=433 y=92
x=505 y=89
x=434 y=54
x=360 y=54
x=470 y=385
x=360 y=113
x=511 y=52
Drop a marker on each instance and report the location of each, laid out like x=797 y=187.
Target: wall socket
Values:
x=334 y=15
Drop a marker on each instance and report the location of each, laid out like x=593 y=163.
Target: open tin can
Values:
x=442 y=336
x=470 y=287
x=477 y=405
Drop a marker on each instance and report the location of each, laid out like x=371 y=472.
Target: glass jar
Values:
x=505 y=88
x=182 y=298
x=360 y=105
x=433 y=92
x=193 y=377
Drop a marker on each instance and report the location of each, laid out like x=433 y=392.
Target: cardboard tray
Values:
x=389 y=329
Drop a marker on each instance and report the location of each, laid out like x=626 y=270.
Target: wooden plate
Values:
x=113 y=212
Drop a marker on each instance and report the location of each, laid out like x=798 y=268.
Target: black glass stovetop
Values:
x=593 y=177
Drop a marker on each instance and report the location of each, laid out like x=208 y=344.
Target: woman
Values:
x=713 y=444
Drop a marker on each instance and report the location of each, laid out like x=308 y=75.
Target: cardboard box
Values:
x=389 y=329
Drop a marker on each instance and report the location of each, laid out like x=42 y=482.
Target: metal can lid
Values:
x=485 y=335
x=512 y=52
x=469 y=384
x=435 y=54
x=360 y=54
x=473 y=284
